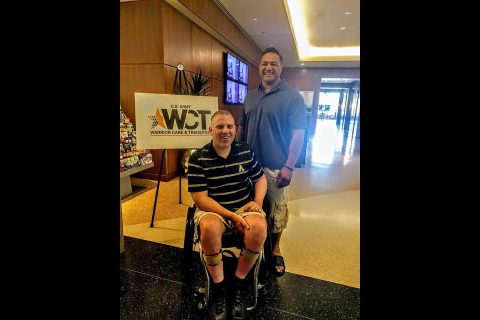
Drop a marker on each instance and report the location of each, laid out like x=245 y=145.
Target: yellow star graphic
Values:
x=160 y=119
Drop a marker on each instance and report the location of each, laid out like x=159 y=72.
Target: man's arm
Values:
x=205 y=203
x=260 y=191
x=295 y=149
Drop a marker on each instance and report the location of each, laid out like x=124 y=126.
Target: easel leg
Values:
x=180 y=185
x=158 y=187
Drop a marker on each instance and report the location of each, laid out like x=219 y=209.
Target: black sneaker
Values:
x=239 y=310
x=217 y=309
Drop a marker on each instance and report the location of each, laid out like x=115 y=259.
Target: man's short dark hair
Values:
x=222 y=112
x=273 y=50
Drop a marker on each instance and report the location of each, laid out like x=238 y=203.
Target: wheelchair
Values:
x=259 y=272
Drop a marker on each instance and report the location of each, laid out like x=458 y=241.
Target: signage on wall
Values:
x=169 y=121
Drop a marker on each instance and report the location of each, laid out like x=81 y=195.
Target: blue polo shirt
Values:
x=269 y=119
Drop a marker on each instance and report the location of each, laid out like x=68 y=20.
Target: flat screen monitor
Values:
x=236 y=79
x=243 y=73
x=232 y=67
x=231 y=92
x=242 y=93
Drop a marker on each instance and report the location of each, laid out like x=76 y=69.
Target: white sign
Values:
x=169 y=121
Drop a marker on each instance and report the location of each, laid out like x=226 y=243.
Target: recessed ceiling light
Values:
x=343 y=28
x=306 y=52
x=255 y=19
x=348 y=13
x=302 y=64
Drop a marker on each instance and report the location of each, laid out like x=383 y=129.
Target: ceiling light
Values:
x=255 y=19
x=302 y=64
x=306 y=51
x=348 y=13
x=343 y=28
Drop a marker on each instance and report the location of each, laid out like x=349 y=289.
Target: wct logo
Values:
x=177 y=121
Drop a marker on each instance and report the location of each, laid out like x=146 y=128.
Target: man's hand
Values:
x=284 y=177
x=252 y=206
x=240 y=224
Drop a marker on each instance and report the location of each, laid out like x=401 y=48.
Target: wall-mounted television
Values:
x=232 y=67
x=236 y=79
x=231 y=92
x=242 y=93
x=243 y=73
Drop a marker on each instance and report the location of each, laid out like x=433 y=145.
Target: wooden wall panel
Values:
x=201 y=51
x=177 y=38
x=253 y=77
x=141 y=32
x=217 y=60
x=187 y=3
x=209 y=12
x=155 y=37
x=236 y=110
x=217 y=91
x=170 y=78
x=229 y=31
x=148 y=78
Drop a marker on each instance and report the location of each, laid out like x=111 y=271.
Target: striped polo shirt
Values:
x=228 y=181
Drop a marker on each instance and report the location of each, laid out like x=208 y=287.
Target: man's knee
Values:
x=258 y=225
x=211 y=224
x=211 y=229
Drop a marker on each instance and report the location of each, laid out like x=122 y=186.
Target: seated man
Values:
x=220 y=177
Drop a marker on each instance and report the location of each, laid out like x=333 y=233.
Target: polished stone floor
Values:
x=153 y=286
x=321 y=245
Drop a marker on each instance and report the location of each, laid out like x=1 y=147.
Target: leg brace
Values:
x=249 y=255
x=213 y=259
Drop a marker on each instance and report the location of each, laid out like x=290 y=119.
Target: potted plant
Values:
x=199 y=85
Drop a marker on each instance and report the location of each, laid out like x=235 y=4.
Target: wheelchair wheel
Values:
x=200 y=301
x=267 y=263
x=188 y=239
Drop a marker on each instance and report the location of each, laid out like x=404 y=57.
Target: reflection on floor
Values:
x=322 y=240
x=153 y=286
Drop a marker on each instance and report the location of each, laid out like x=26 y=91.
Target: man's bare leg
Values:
x=211 y=231
x=253 y=241
x=276 y=248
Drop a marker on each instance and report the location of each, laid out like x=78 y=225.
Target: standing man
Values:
x=273 y=124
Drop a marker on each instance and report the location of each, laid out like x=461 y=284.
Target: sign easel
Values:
x=168 y=121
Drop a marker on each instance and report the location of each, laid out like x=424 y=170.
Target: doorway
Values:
x=336 y=135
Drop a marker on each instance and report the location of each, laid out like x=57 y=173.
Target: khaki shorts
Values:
x=275 y=203
x=199 y=214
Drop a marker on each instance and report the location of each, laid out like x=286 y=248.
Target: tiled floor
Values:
x=321 y=245
x=156 y=288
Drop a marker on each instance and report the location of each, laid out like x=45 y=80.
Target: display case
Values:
x=132 y=160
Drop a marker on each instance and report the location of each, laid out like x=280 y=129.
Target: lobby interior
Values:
x=321 y=245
